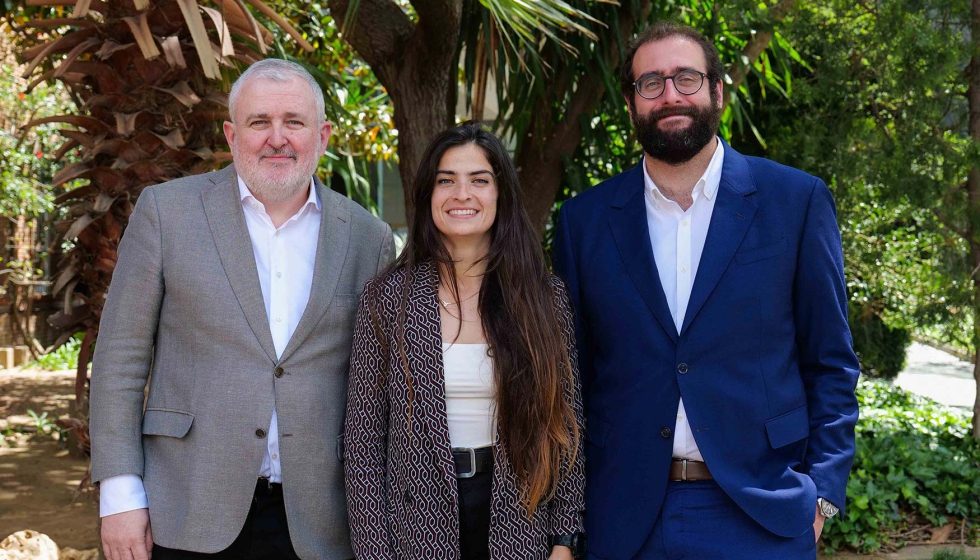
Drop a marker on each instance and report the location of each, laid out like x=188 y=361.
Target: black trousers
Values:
x=474 y=516
x=265 y=535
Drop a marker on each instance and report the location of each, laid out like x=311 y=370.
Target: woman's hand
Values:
x=560 y=553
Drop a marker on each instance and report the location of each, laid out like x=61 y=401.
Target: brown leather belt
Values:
x=684 y=470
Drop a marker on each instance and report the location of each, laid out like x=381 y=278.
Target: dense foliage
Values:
x=878 y=110
x=25 y=164
x=916 y=465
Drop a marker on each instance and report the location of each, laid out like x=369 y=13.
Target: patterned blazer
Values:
x=401 y=481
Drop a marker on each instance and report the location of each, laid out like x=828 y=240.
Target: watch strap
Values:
x=576 y=542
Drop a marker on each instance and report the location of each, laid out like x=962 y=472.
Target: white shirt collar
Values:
x=245 y=194
x=706 y=185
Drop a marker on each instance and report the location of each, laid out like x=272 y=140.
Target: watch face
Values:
x=827 y=509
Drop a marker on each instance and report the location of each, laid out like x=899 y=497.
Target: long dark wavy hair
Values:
x=535 y=422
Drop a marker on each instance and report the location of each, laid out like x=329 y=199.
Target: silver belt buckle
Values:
x=684 y=469
x=472 y=472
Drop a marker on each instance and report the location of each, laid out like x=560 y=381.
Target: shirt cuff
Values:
x=121 y=493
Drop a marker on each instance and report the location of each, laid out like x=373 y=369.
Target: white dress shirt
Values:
x=677 y=238
x=284 y=259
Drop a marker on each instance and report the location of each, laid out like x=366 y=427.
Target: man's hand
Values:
x=127 y=536
x=818 y=522
x=560 y=553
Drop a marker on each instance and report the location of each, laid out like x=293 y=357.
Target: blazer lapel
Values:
x=628 y=222
x=226 y=218
x=730 y=221
x=424 y=342
x=331 y=252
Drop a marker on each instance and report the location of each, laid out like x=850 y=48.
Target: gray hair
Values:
x=281 y=71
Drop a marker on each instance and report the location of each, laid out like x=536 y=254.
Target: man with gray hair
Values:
x=234 y=297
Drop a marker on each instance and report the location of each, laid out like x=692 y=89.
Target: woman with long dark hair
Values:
x=464 y=414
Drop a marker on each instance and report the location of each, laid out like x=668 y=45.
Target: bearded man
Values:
x=234 y=297
x=717 y=366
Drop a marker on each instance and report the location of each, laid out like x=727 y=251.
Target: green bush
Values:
x=949 y=555
x=62 y=357
x=915 y=459
x=880 y=348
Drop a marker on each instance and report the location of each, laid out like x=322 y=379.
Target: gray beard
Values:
x=271 y=190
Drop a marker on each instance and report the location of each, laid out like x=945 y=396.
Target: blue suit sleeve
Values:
x=566 y=267
x=827 y=361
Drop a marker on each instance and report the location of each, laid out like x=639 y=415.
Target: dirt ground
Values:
x=38 y=478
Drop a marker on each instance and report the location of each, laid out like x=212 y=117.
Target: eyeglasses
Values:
x=652 y=86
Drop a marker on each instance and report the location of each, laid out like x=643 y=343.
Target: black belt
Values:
x=470 y=462
x=266 y=485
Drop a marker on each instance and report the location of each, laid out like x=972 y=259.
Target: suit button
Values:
x=279 y=371
x=682 y=368
x=665 y=433
x=408 y=496
x=260 y=432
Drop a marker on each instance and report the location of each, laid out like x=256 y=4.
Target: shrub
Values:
x=62 y=357
x=915 y=460
x=949 y=555
x=880 y=348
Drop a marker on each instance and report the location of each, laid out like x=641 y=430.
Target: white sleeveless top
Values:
x=469 y=394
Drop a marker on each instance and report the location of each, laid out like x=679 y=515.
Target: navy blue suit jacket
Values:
x=764 y=358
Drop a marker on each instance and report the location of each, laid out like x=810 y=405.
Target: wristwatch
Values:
x=827 y=509
x=576 y=542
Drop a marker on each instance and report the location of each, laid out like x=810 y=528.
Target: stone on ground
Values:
x=28 y=545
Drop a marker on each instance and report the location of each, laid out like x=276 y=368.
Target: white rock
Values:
x=28 y=545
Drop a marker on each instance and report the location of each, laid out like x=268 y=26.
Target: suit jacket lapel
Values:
x=226 y=218
x=331 y=252
x=628 y=222
x=730 y=220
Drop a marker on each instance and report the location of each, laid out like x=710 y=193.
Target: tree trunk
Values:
x=554 y=135
x=973 y=196
x=541 y=175
x=421 y=112
x=414 y=61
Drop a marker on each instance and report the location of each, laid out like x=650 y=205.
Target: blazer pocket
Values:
x=170 y=423
x=788 y=428
x=760 y=253
x=596 y=430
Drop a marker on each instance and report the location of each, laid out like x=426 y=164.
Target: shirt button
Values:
x=279 y=371
x=278 y=275
x=665 y=433
x=682 y=368
x=277 y=233
x=275 y=456
x=279 y=318
x=260 y=433
x=684 y=222
x=684 y=269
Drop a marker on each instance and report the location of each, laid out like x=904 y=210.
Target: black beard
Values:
x=677 y=146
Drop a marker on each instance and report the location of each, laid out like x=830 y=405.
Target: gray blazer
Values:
x=185 y=305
